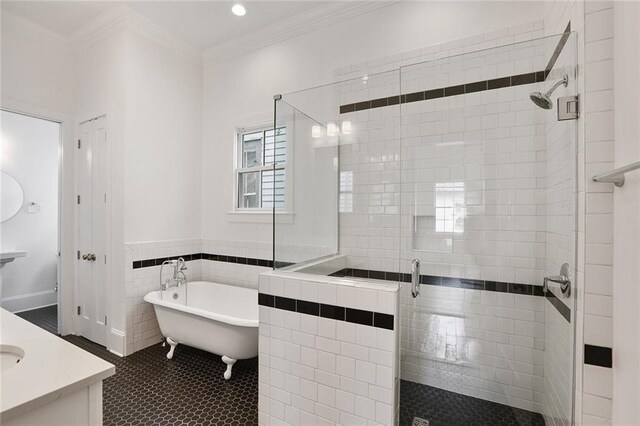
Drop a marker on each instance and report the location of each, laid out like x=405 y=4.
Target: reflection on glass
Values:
x=273 y=187
x=450 y=210
x=346 y=192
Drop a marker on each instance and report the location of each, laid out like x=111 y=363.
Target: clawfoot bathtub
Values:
x=217 y=318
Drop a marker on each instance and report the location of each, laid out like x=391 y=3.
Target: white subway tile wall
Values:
x=519 y=220
x=593 y=23
x=483 y=344
x=315 y=370
x=142 y=326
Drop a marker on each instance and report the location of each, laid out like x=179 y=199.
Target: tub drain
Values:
x=417 y=421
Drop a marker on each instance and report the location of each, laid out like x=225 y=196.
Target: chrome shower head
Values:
x=543 y=100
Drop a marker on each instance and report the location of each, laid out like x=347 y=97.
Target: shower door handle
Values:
x=415 y=278
x=564 y=279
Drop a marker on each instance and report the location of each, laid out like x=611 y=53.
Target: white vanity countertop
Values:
x=51 y=367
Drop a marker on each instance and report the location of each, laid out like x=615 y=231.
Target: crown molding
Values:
x=295 y=26
x=121 y=17
x=26 y=28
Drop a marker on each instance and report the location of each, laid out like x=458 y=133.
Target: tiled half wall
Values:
x=316 y=369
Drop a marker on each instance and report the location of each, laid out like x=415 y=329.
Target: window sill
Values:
x=259 y=217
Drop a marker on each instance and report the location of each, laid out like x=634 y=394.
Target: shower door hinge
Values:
x=79 y=310
x=568 y=108
x=78 y=199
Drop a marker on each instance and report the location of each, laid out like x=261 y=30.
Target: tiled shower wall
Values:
x=594 y=24
x=479 y=343
x=490 y=138
x=496 y=142
x=560 y=243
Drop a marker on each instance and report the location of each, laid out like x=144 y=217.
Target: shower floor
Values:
x=149 y=389
x=444 y=408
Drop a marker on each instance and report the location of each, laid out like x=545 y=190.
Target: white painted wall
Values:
x=30 y=155
x=626 y=231
x=240 y=91
x=162 y=143
x=37 y=78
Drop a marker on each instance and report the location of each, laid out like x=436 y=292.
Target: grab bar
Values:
x=616 y=176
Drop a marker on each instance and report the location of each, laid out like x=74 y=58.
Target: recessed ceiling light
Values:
x=238 y=10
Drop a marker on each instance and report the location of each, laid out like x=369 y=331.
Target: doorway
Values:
x=30 y=222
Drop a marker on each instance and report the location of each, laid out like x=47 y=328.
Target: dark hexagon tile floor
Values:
x=149 y=389
x=444 y=408
x=46 y=318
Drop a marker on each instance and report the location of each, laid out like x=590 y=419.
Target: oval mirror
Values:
x=11 y=196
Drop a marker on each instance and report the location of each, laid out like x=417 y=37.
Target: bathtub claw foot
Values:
x=173 y=347
x=229 y=362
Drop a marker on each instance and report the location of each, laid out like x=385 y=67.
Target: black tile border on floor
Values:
x=466 y=88
x=147 y=263
x=598 y=355
x=339 y=313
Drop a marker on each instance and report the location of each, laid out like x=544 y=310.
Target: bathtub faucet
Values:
x=178 y=272
x=179 y=277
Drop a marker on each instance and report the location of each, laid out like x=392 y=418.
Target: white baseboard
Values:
x=116 y=342
x=29 y=301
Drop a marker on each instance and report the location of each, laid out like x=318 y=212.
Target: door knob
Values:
x=85 y=257
x=91 y=257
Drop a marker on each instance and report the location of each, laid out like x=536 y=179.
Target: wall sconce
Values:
x=316 y=131
x=332 y=129
x=346 y=127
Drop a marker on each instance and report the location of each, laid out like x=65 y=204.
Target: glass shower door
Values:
x=488 y=208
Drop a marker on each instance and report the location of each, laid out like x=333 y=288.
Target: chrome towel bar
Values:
x=616 y=176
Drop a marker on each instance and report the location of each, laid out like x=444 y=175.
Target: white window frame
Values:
x=260 y=214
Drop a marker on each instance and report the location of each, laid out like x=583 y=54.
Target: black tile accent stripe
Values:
x=340 y=313
x=360 y=317
x=496 y=286
x=559 y=305
x=477 y=86
x=285 y=303
x=501 y=287
x=214 y=257
x=598 y=355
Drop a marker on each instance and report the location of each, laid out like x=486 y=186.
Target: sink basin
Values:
x=10 y=356
x=10 y=256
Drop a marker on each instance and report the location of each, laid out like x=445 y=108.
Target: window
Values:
x=450 y=209
x=259 y=185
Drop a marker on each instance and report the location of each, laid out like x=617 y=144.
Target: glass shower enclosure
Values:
x=448 y=164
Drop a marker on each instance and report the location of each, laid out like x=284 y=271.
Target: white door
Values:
x=93 y=226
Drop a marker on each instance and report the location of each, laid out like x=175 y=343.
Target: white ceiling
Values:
x=201 y=23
